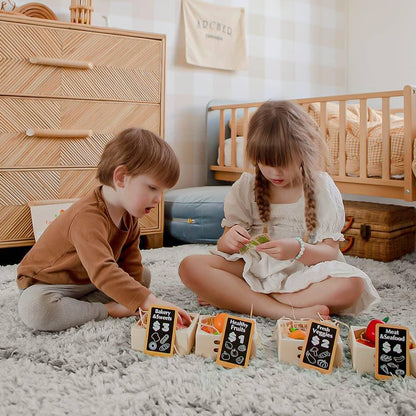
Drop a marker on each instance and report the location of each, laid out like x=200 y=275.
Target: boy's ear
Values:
x=119 y=176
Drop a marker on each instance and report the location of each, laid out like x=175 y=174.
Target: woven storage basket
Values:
x=378 y=231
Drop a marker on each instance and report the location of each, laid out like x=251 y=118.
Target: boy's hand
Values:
x=234 y=239
x=282 y=249
x=183 y=316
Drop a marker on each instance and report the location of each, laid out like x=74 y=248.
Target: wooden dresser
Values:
x=65 y=91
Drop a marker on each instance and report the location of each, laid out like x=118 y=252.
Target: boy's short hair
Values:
x=142 y=153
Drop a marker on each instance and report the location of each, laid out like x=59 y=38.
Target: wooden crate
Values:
x=378 y=231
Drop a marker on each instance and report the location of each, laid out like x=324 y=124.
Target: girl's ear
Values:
x=119 y=176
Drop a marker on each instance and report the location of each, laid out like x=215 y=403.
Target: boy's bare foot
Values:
x=116 y=310
x=314 y=312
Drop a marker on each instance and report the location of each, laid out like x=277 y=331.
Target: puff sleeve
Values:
x=238 y=202
x=329 y=210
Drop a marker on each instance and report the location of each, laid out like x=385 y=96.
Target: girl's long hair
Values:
x=280 y=134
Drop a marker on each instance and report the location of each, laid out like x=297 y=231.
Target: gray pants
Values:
x=59 y=307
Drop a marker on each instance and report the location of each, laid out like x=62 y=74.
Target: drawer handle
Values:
x=59 y=134
x=61 y=62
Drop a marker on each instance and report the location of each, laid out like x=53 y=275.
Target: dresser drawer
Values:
x=102 y=119
x=57 y=62
x=17 y=188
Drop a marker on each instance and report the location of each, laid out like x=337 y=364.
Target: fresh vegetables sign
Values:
x=320 y=345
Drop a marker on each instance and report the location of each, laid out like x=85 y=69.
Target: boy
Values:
x=87 y=263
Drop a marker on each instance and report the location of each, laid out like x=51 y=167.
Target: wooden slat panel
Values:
x=386 y=139
x=125 y=68
x=103 y=118
x=233 y=149
x=18 y=188
x=342 y=138
x=16 y=223
x=363 y=138
x=18 y=43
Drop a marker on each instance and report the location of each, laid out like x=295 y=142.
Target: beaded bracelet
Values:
x=302 y=248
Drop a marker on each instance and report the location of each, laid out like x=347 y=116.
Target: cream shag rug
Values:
x=91 y=370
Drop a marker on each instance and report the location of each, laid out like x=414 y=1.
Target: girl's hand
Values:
x=282 y=249
x=183 y=316
x=233 y=239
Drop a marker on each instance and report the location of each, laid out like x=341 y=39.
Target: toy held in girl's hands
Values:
x=254 y=242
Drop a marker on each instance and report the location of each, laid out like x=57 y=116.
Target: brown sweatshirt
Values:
x=83 y=245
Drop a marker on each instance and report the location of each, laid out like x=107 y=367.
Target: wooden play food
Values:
x=290 y=349
x=363 y=354
x=184 y=340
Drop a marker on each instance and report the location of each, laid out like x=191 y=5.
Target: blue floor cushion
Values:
x=193 y=215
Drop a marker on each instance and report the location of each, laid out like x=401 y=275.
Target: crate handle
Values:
x=59 y=134
x=350 y=220
x=64 y=63
x=349 y=245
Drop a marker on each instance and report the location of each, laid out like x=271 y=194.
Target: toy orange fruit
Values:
x=219 y=321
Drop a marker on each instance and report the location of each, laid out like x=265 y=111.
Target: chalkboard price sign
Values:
x=236 y=340
x=320 y=346
x=392 y=351
x=160 y=331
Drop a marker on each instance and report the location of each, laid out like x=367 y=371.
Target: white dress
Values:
x=267 y=275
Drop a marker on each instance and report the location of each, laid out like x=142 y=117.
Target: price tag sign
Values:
x=161 y=330
x=392 y=351
x=320 y=346
x=235 y=346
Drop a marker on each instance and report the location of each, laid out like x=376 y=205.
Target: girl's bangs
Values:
x=272 y=152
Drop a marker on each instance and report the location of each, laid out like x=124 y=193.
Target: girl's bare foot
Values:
x=314 y=312
x=203 y=302
x=116 y=310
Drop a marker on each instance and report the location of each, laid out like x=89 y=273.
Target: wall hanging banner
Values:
x=214 y=35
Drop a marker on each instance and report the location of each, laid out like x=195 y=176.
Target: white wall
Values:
x=381 y=51
x=295 y=48
x=381 y=45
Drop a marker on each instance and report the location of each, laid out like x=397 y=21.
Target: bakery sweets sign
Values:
x=214 y=35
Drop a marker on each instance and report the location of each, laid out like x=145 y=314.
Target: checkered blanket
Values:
x=352 y=140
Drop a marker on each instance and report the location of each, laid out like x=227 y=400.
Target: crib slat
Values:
x=363 y=138
x=342 y=126
x=385 y=137
x=245 y=131
x=409 y=136
x=233 y=138
x=322 y=118
x=222 y=139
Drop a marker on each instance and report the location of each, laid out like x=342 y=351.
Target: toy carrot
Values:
x=296 y=333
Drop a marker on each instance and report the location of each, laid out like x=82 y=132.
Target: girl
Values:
x=300 y=272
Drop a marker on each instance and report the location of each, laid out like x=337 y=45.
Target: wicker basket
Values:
x=81 y=11
x=378 y=231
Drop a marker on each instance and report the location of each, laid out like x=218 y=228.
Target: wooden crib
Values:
x=360 y=162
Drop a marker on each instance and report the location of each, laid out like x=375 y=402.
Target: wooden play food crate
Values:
x=290 y=349
x=207 y=345
x=363 y=356
x=378 y=231
x=184 y=339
